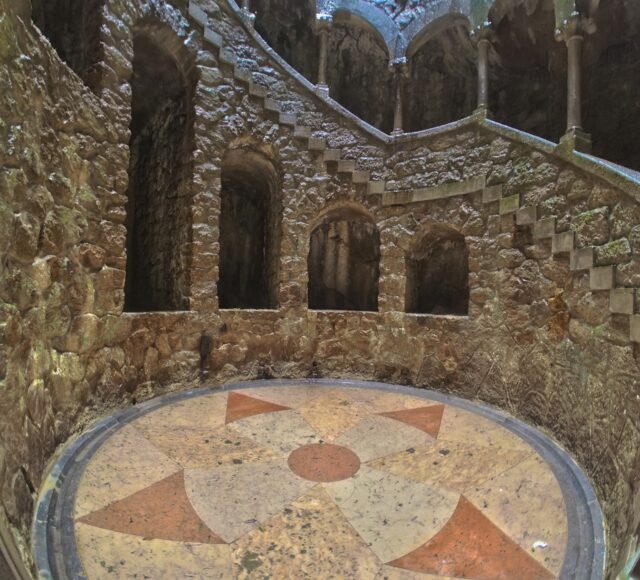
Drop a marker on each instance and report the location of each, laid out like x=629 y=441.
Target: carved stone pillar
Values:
x=323 y=29
x=572 y=31
x=401 y=70
x=481 y=35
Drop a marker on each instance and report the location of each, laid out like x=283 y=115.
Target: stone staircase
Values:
x=332 y=158
x=622 y=301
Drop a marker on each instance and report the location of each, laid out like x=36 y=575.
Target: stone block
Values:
x=360 y=176
x=622 y=301
x=213 y=37
x=562 y=243
x=376 y=187
x=288 y=119
x=582 y=259
x=271 y=105
x=301 y=132
x=492 y=193
x=545 y=228
x=526 y=216
x=198 y=14
x=227 y=57
x=242 y=74
x=316 y=144
x=346 y=166
x=509 y=204
x=602 y=278
x=256 y=90
x=635 y=328
x=332 y=155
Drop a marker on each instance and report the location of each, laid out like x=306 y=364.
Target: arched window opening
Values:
x=344 y=263
x=443 y=80
x=73 y=28
x=527 y=70
x=249 y=231
x=612 y=83
x=358 y=71
x=288 y=27
x=160 y=169
x=438 y=273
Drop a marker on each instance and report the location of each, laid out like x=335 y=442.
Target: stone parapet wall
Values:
x=554 y=258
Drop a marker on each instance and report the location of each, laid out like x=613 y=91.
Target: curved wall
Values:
x=548 y=332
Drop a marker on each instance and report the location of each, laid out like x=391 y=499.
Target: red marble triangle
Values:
x=161 y=511
x=240 y=406
x=426 y=419
x=472 y=546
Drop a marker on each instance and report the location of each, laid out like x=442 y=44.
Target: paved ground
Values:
x=318 y=481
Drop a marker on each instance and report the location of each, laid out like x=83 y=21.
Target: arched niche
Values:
x=249 y=230
x=344 y=262
x=438 y=273
x=288 y=27
x=73 y=28
x=611 y=112
x=527 y=71
x=160 y=171
x=358 y=71
x=442 y=87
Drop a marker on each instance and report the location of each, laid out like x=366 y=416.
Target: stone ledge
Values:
x=443 y=191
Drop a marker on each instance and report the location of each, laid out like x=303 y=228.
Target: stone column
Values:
x=323 y=29
x=401 y=71
x=572 y=31
x=481 y=35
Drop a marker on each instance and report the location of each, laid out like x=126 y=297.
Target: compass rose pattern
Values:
x=318 y=482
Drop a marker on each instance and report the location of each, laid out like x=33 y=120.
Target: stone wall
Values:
x=540 y=340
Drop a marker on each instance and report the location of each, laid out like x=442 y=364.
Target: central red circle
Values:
x=323 y=462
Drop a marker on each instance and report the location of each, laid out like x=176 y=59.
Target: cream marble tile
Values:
x=392 y=514
x=333 y=414
x=195 y=447
x=127 y=462
x=459 y=425
x=206 y=412
x=283 y=431
x=451 y=464
x=310 y=539
x=293 y=396
x=379 y=401
x=106 y=554
x=526 y=503
x=233 y=500
x=377 y=436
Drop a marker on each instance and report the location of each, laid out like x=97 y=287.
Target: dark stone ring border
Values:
x=53 y=539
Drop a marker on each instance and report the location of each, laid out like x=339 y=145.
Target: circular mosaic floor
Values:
x=319 y=479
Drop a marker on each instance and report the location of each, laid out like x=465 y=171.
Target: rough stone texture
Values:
x=537 y=341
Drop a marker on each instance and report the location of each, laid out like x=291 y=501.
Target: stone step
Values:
x=582 y=259
x=635 y=328
x=562 y=243
x=302 y=132
x=213 y=37
x=360 y=176
x=271 y=105
x=346 y=166
x=198 y=14
x=602 y=278
x=287 y=119
x=227 y=57
x=622 y=301
x=332 y=155
x=256 y=90
x=544 y=228
x=527 y=216
x=376 y=187
x=242 y=74
x=316 y=144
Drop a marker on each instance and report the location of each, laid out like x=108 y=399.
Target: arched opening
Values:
x=527 y=72
x=438 y=273
x=288 y=27
x=344 y=262
x=442 y=87
x=358 y=71
x=160 y=169
x=249 y=231
x=73 y=28
x=612 y=83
